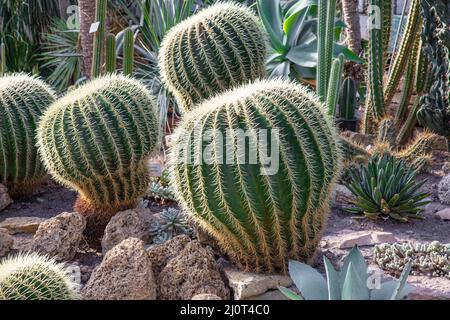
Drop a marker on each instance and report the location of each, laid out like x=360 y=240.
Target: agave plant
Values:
x=173 y=223
x=351 y=283
x=387 y=188
x=293 y=37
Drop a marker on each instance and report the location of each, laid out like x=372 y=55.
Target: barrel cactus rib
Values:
x=97 y=139
x=260 y=220
x=23 y=99
x=221 y=47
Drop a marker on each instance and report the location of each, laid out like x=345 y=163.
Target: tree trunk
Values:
x=63 y=5
x=87 y=17
x=351 y=19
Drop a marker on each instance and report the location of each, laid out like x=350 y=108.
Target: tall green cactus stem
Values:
x=261 y=215
x=408 y=83
x=128 y=52
x=422 y=70
x=2 y=60
x=347 y=103
x=23 y=100
x=375 y=72
x=215 y=50
x=327 y=12
x=402 y=57
x=387 y=29
x=387 y=132
x=335 y=84
x=434 y=112
x=99 y=37
x=97 y=140
x=111 y=54
x=29 y=276
x=407 y=128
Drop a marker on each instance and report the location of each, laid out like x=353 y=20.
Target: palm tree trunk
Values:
x=87 y=17
x=351 y=19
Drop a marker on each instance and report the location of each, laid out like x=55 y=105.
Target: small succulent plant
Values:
x=173 y=223
x=351 y=283
x=387 y=188
x=160 y=189
x=30 y=276
x=431 y=259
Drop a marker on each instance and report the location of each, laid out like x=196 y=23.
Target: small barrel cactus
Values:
x=264 y=211
x=97 y=140
x=30 y=276
x=23 y=100
x=217 y=49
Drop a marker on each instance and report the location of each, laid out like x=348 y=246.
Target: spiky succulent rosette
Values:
x=23 y=99
x=30 y=276
x=97 y=140
x=221 y=47
x=260 y=217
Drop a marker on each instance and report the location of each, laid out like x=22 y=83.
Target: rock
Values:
x=343 y=195
x=133 y=223
x=194 y=271
x=444 y=214
x=161 y=254
x=444 y=190
x=206 y=296
x=246 y=285
x=269 y=295
x=446 y=168
x=124 y=274
x=5 y=199
x=360 y=238
x=60 y=236
x=22 y=224
x=428 y=294
x=433 y=207
x=6 y=242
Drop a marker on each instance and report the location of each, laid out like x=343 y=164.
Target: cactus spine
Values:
x=260 y=220
x=401 y=59
x=387 y=28
x=327 y=12
x=2 y=60
x=347 y=104
x=128 y=52
x=97 y=140
x=30 y=276
x=99 y=37
x=375 y=76
x=217 y=49
x=335 y=84
x=111 y=54
x=23 y=99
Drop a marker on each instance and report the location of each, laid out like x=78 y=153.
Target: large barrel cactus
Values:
x=23 y=99
x=272 y=208
x=221 y=47
x=31 y=276
x=97 y=140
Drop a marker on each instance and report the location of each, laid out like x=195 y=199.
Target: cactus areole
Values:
x=97 y=140
x=256 y=167
x=217 y=49
x=23 y=100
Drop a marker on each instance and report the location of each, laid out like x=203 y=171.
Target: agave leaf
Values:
x=309 y=282
x=387 y=290
x=354 y=288
x=334 y=287
x=359 y=264
x=290 y=294
x=398 y=291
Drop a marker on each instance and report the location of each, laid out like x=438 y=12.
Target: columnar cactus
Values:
x=2 y=60
x=128 y=52
x=31 y=276
x=347 y=103
x=111 y=54
x=386 y=132
x=219 y=48
x=334 y=87
x=97 y=140
x=99 y=38
x=262 y=212
x=23 y=100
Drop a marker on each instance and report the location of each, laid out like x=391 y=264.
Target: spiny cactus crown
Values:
x=217 y=49
x=261 y=219
x=23 y=99
x=29 y=276
x=97 y=139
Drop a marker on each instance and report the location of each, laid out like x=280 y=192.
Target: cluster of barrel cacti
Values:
x=261 y=219
x=30 y=276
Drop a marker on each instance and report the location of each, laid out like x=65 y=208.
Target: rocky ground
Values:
x=129 y=267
